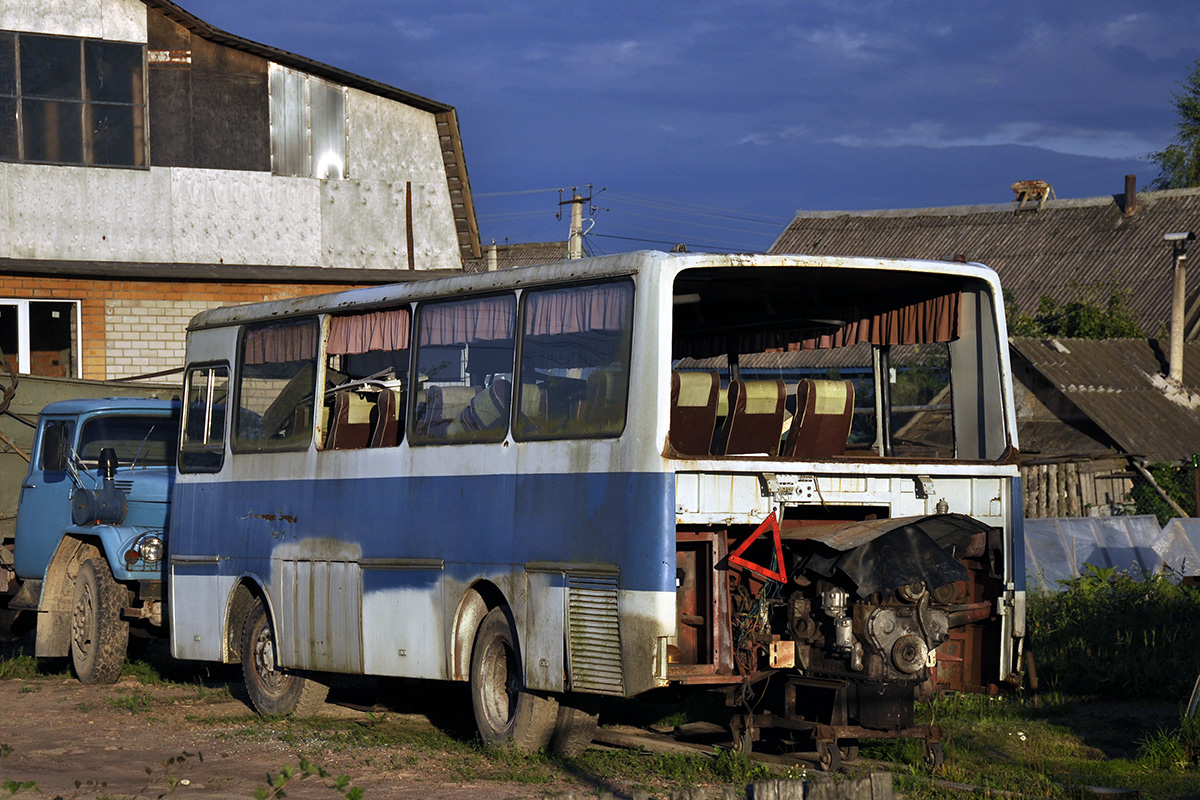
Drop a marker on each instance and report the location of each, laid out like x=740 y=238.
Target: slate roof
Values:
x=1113 y=382
x=1066 y=246
x=524 y=254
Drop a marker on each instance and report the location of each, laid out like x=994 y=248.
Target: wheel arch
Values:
x=245 y=594
x=480 y=598
x=54 y=606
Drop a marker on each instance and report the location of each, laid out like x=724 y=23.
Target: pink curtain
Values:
x=588 y=308
x=378 y=330
x=279 y=343
x=484 y=320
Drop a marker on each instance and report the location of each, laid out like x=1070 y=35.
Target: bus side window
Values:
x=202 y=447
x=276 y=384
x=366 y=380
x=574 y=374
x=463 y=369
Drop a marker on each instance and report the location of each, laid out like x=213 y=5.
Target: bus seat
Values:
x=693 y=411
x=487 y=410
x=386 y=427
x=821 y=425
x=755 y=421
x=351 y=425
x=534 y=406
x=602 y=401
x=444 y=404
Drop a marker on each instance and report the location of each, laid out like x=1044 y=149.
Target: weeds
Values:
x=136 y=702
x=306 y=769
x=1113 y=634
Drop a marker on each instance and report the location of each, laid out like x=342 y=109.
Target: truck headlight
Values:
x=150 y=548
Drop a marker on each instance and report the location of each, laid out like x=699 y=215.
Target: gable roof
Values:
x=1118 y=384
x=450 y=138
x=519 y=254
x=1068 y=249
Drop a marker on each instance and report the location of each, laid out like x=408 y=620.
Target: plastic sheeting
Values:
x=1056 y=549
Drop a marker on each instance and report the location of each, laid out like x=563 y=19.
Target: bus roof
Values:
x=562 y=271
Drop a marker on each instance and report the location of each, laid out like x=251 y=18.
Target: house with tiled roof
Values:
x=1066 y=249
x=158 y=166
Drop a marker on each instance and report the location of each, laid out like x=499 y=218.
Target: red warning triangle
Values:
x=736 y=556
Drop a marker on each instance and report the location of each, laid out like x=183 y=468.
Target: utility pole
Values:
x=1178 y=242
x=575 y=237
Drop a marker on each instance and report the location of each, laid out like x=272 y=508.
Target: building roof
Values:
x=1118 y=384
x=523 y=254
x=447 y=118
x=1067 y=249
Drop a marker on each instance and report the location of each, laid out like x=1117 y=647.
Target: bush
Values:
x=1117 y=635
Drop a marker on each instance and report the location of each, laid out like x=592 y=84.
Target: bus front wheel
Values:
x=99 y=637
x=504 y=711
x=272 y=691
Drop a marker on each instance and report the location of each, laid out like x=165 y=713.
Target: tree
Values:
x=1079 y=318
x=1179 y=163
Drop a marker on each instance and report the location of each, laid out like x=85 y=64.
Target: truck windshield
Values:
x=138 y=441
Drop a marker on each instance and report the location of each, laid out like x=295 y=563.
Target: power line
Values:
x=510 y=194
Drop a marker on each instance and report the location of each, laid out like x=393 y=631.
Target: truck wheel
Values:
x=272 y=691
x=98 y=634
x=504 y=712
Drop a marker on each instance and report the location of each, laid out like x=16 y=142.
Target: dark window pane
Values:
x=113 y=72
x=50 y=67
x=8 y=127
x=8 y=64
x=52 y=131
x=116 y=135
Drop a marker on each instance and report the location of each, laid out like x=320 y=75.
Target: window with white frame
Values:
x=308 y=125
x=41 y=337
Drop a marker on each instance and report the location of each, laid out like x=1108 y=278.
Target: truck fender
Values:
x=58 y=588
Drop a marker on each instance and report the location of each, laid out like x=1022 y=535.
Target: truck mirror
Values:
x=56 y=447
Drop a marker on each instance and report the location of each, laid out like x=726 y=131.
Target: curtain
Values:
x=486 y=319
x=378 y=330
x=275 y=344
x=576 y=310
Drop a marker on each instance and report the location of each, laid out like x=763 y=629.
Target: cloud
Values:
x=1075 y=141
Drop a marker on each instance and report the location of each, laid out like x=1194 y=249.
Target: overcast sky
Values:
x=711 y=122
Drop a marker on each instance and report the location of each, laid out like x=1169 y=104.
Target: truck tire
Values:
x=99 y=637
x=272 y=691
x=505 y=713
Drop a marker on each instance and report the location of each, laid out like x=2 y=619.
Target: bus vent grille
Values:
x=594 y=634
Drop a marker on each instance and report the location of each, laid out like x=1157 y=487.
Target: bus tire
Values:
x=99 y=637
x=573 y=730
x=272 y=691
x=505 y=713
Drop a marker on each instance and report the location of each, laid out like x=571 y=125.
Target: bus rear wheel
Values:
x=272 y=691
x=505 y=712
x=99 y=637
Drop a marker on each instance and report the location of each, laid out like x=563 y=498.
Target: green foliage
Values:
x=1081 y=317
x=135 y=702
x=1112 y=634
x=1177 y=481
x=12 y=787
x=1179 y=162
x=305 y=770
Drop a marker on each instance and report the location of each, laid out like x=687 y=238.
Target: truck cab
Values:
x=91 y=527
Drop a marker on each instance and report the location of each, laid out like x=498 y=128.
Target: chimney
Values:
x=1130 y=195
x=492 y=260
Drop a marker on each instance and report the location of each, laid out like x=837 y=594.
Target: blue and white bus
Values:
x=791 y=478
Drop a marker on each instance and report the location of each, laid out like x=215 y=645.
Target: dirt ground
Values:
x=63 y=739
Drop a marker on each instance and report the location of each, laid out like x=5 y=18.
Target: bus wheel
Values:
x=272 y=691
x=98 y=634
x=504 y=712
x=573 y=730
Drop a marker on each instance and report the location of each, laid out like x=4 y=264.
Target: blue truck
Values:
x=91 y=525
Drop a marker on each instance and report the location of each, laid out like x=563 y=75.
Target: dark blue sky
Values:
x=711 y=122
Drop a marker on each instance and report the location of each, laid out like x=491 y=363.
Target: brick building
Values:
x=152 y=166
